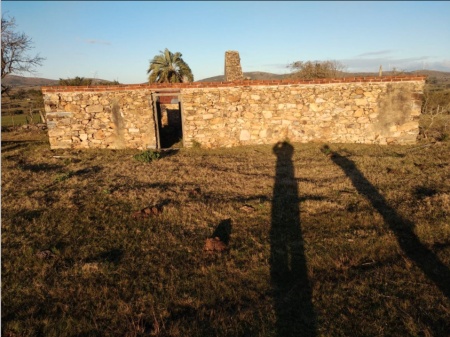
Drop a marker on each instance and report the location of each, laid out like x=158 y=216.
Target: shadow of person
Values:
x=403 y=229
x=292 y=292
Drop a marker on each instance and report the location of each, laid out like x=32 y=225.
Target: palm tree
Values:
x=169 y=68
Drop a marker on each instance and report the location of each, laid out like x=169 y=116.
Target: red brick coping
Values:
x=190 y=85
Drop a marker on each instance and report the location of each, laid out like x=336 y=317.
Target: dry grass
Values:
x=369 y=254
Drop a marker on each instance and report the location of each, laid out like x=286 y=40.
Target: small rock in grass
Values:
x=148 y=211
x=247 y=208
x=88 y=267
x=194 y=192
x=214 y=245
x=45 y=254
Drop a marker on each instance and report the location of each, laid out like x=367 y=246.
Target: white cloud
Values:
x=94 y=41
x=373 y=53
x=388 y=63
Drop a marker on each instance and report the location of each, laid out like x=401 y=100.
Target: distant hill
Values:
x=29 y=82
x=254 y=75
x=441 y=77
x=432 y=73
x=258 y=75
x=21 y=81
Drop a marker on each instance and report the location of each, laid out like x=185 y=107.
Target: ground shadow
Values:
x=42 y=167
x=165 y=153
x=223 y=231
x=403 y=229
x=29 y=215
x=113 y=256
x=292 y=292
x=88 y=171
x=13 y=145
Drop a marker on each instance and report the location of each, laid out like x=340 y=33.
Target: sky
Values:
x=115 y=40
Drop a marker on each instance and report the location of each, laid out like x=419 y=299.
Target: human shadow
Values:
x=292 y=292
x=403 y=229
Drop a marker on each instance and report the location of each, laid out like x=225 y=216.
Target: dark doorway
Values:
x=169 y=120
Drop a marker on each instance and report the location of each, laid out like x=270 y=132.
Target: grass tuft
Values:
x=147 y=156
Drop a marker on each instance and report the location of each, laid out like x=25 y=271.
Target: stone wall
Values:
x=374 y=113
x=170 y=115
x=77 y=118
x=373 y=110
x=233 y=69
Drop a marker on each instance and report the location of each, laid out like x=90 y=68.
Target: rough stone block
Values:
x=244 y=135
x=51 y=125
x=267 y=114
x=99 y=134
x=408 y=126
x=72 y=108
x=358 y=113
x=313 y=107
x=94 y=108
x=57 y=132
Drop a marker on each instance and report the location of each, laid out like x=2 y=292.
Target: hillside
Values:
x=441 y=77
x=254 y=75
x=22 y=81
x=33 y=82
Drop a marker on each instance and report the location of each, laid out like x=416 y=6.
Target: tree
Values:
x=81 y=81
x=316 y=69
x=169 y=68
x=15 y=46
x=76 y=81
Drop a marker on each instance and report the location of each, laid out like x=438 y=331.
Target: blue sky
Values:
x=115 y=40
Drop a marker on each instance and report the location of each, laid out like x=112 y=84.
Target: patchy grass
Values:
x=15 y=120
x=344 y=240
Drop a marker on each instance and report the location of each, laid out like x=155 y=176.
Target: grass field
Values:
x=334 y=240
x=16 y=120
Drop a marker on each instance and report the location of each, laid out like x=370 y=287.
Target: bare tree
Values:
x=15 y=46
x=316 y=69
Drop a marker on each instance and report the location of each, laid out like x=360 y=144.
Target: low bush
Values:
x=147 y=156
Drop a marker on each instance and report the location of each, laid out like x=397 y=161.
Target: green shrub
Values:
x=76 y=81
x=147 y=156
x=63 y=176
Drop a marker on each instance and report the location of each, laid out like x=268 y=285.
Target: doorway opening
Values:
x=168 y=118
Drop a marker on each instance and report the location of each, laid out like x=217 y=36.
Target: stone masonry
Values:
x=108 y=119
x=371 y=110
x=233 y=69
x=374 y=113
